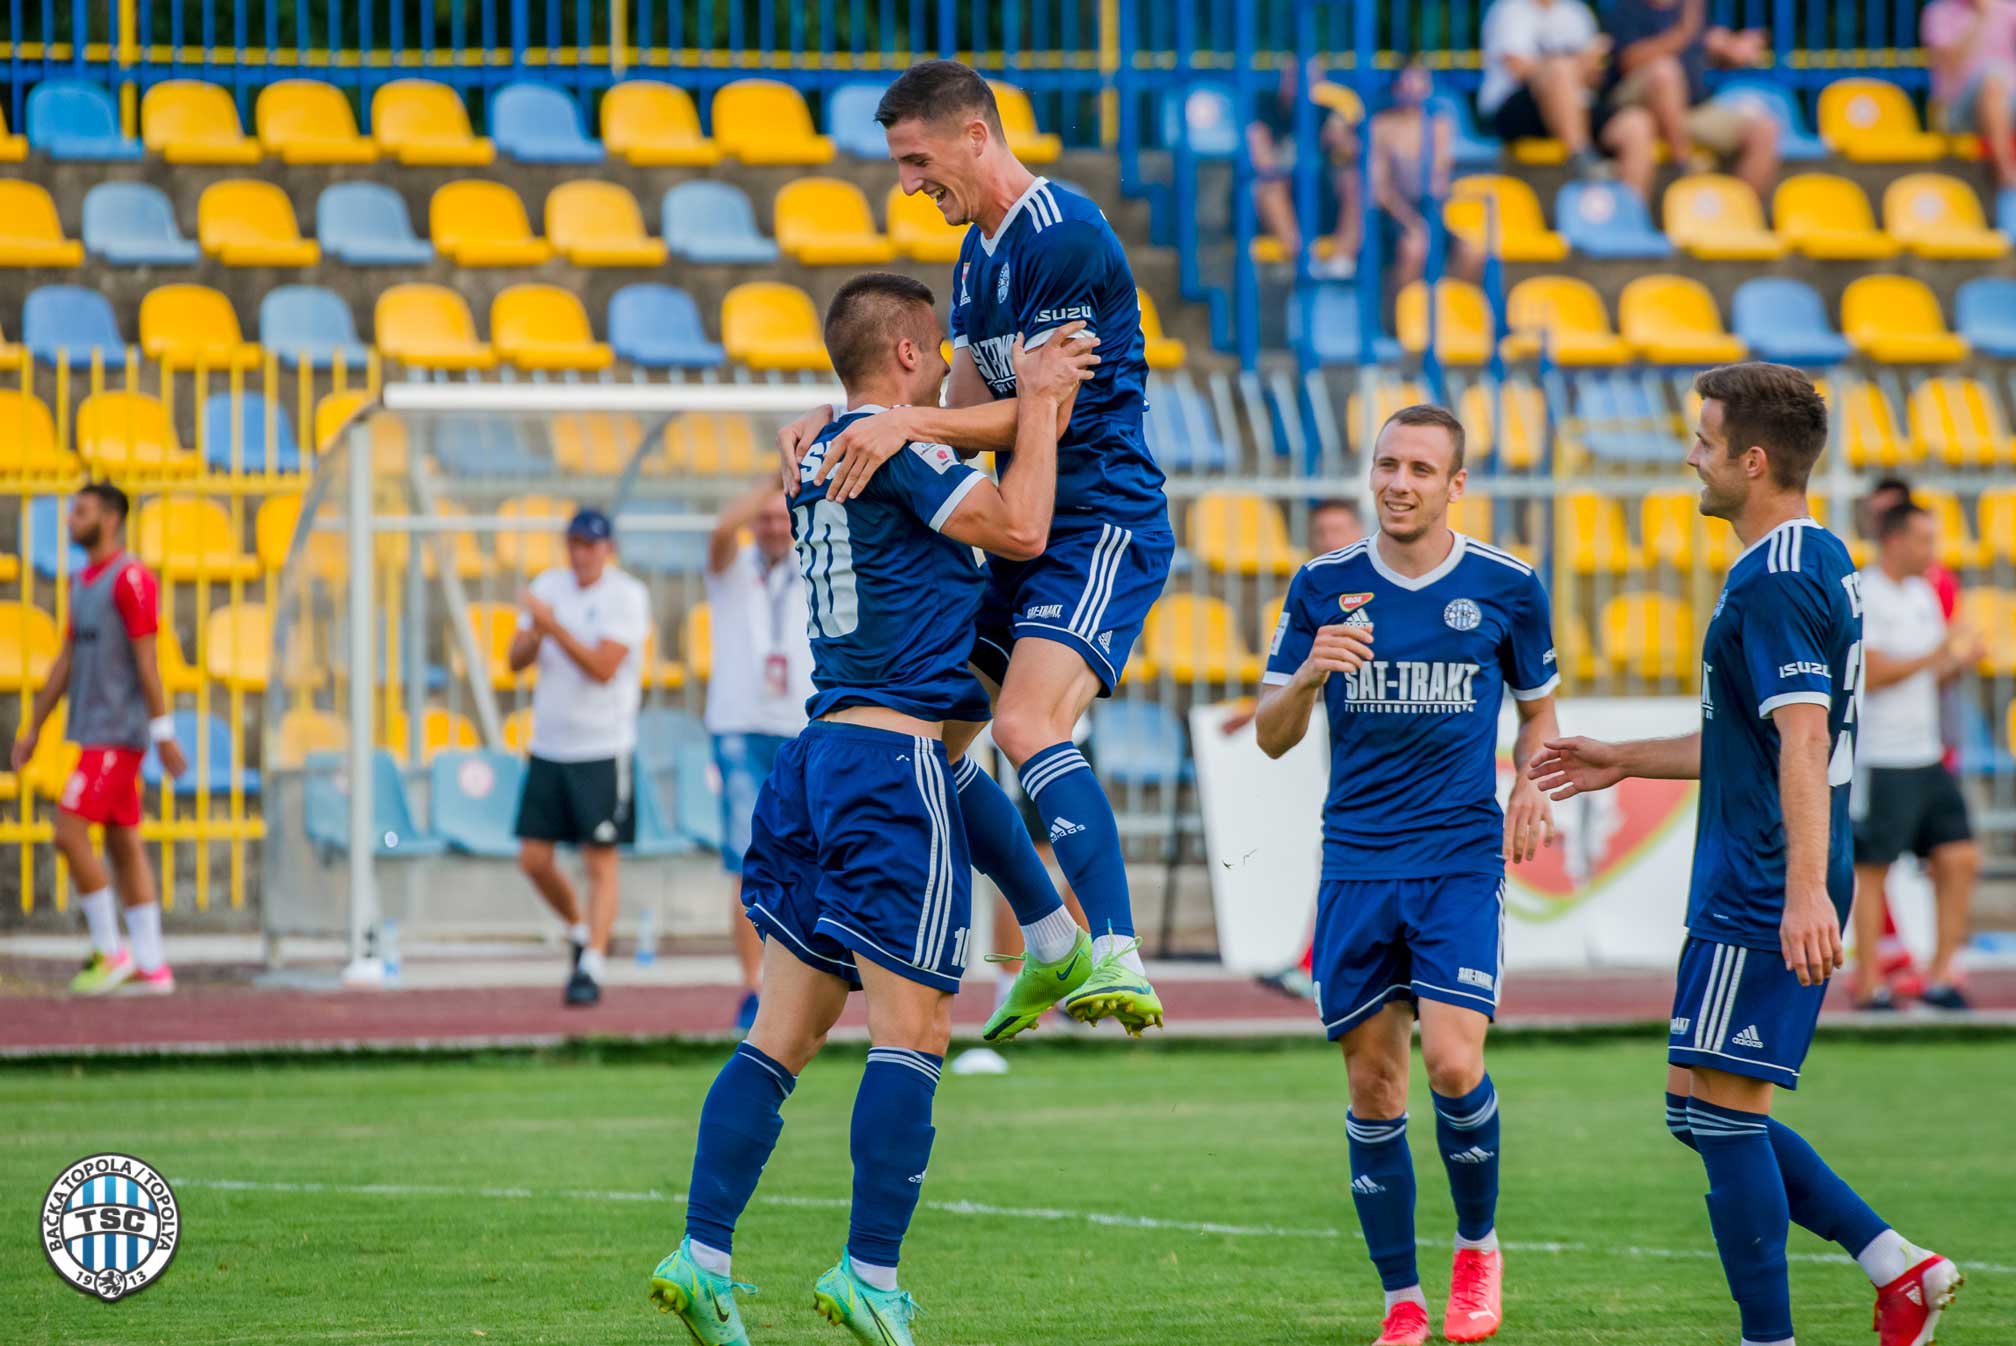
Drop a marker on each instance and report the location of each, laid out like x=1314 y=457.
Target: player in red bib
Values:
x=108 y=670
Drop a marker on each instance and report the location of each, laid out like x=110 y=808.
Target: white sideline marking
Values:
x=1045 y=1213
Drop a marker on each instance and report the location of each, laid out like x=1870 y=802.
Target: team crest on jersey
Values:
x=1352 y=602
x=110 y=1225
x=1462 y=615
x=1001 y=285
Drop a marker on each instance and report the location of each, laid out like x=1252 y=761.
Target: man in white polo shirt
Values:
x=1905 y=800
x=584 y=625
x=761 y=680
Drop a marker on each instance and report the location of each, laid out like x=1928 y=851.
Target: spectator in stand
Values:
x=761 y=681
x=1663 y=48
x=1270 y=140
x=1543 y=62
x=1905 y=799
x=1334 y=525
x=1406 y=183
x=1971 y=45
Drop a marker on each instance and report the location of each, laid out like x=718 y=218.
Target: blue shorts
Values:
x=1407 y=939
x=1740 y=1010
x=857 y=850
x=1090 y=589
x=744 y=761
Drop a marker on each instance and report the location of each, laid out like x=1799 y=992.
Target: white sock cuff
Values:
x=709 y=1259
x=1411 y=1293
x=882 y=1278
x=1888 y=1256
x=577 y=933
x=1052 y=937
x=592 y=964
x=143 y=924
x=1487 y=1244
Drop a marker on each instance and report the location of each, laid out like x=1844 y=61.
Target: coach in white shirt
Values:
x=761 y=680
x=584 y=625
x=1905 y=800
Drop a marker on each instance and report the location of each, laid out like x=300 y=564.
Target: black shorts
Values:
x=1913 y=809
x=1518 y=118
x=577 y=803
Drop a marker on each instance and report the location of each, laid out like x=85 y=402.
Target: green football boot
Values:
x=103 y=973
x=1116 y=991
x=1037 y=987
x=875 y=1317
x=704 y=1302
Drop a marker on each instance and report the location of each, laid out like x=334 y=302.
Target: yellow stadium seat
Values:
x=1242 y=535
x=763 y=121
x=1958 y=549
x=825 y=222
x=1672 y=320
x=654 y=125
x=918 y=229
x=1590 y=529
x=1161 y=351
x=1992 y=613
x=495 y=626
x=1525 y=432
x=304 y=121
x=1896 y=320
x=1387 y=398
x=244 y=222
x=304 y=730
x=1462 y=321
x=1470 y=515
x=13 y=148
x=538 y=548
x=441 y=730
x=1718 y=218
x=657 y=671
x=194 y=327
x=696 y=637
x=1871 y=121
x=1828 y=218
x=238 y=646
x=1341 y=99
x=470 y=559
x=186 y=537
x=1649 y=636
x=1194 y=638
x=429 y=327
x=700 y=444
x=419 y=122
x=1578 y=652
x=518 y=730
x=1522 y=232
x=130 y=434
x=598 y=444
x=28 y=445
x=769 y=325
x=30 y=233
x=179 y=677
x=1998 y=524
x=545 y=327
x=1267 y=250
x=1539 y=151
x=273 y=538
x=599 y=224
x=191 y=121
x=477 y=223
x=11 y=355
x=55 y=758
x=1937 y=216
x=1676 y=532
x=1018 y=122
x=333 y=413
x=1955 y=421
x=1568 y=314
x=28 y=646
x=1869 y=427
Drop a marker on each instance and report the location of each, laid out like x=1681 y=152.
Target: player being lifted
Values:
x=1773 y=859
x=857 y=873
x=1410 y=918
x=1055 y=630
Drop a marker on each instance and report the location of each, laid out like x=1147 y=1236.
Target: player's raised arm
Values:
x=1301 y=660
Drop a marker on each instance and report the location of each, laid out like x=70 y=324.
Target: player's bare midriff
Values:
x=881 y=717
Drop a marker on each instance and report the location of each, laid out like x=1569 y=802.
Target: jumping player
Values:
x=107 y=669
x=857 y=872
x=1054 y=631
x=1410 y=919
x=1781 y=669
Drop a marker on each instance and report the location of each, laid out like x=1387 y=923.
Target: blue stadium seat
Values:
x=1785 y=320
x=2005 y=211
x=705 y=221
x=658 y=327
x=1139 y=743
x=69 y=119
x=1468 y=147
x=1605 y=219
x=538 y=124
x=132 y=224
x=306 y=324
x=366 y=224
x=1323 y=323
x=655 y=833
x=1796 y=141
x=74 y=321
x=674 y=744
x=49 y=538
x=1984 y=312
x=474 y=800
x=212 y=777
x=850 y=120
x=1624 y=418
x=1182 y=428
x=1980 y=754
x=326 y=808
x=484 y=446
x=1206 y=119
x=249 y=454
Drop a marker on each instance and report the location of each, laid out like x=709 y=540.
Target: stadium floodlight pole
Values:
x=364 y=967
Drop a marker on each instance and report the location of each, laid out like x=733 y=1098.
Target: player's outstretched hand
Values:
x=24 y=748
x=853 y=455
x=1529 y=822
x=1809 y=935
x=173 y=760
x=1336 y=649
x=794 y=439
x=1566 y=767
x=1055 y=369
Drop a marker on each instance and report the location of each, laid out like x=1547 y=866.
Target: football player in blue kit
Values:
x=1411 y=638
x=857 y=873
x=1773 y=877
x=1055 y=630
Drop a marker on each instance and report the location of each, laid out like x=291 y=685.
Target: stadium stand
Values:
x=918 y=229
x=650 y=124
x=1827 y=218
x=538 y=124
x=1937 y=216
x=599 y=224
x=128 y=434
x=366 y=224
x=70 y=119
x=244 y=222
x=1672 y=320
x=190 y=121
x=1493 y=208
x=1603 y=219
x=477 y=223
x=1896 y=320
x=1715 y=217
x=70 y=326
x=1796 y=141
x=31 y=235
x=705 y=221
x=1564 y=317
x=193 y=327
x=133 y=224
x=304 y=121
x=310 y=327
x=1784 y=319
x=248 y=434
x=768 y=325
x=1873 y=121
x=658 y=327
x=545 y=327
x=826 y=222
x=1984 y=311
x=421 y=123
x=429 y=327
x=851 y=124
x=765 y=121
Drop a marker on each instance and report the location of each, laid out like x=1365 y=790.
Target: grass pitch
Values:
x=1155 y=1195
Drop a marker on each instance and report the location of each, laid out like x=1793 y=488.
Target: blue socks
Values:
x=891 y=1147
x=1749 y=1212
x=1000 y=845
x=1382 y=1188
x=739 y=1126
x=1074 y=808
x=1466 y=1131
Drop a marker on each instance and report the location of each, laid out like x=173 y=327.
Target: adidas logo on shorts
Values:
x=1064 y=827
x=1748 y=1038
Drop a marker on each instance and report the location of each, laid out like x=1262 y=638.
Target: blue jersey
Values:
x=892 y=604
x=1414 y=734
x=1055 y=260
x=1786 y=630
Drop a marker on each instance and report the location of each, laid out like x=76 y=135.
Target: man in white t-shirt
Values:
x=761 y=680
x=1544 y=61
x=584 y=625
x=1905 y=800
